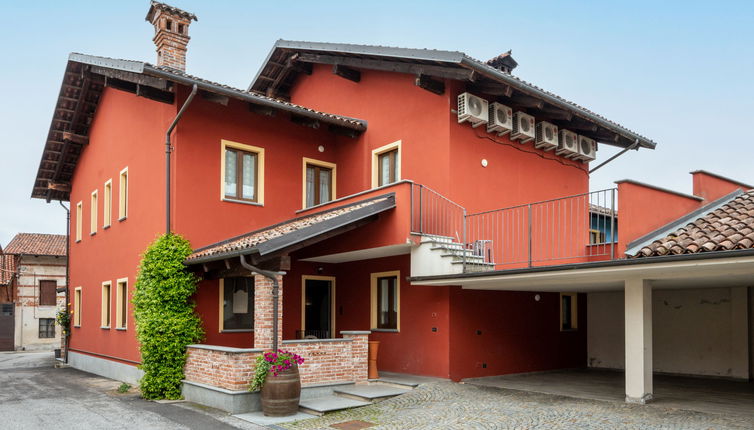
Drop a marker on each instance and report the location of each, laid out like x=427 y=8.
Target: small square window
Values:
x=46 y=328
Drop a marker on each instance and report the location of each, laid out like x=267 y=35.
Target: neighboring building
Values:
x=380 y=186
x=34 y=268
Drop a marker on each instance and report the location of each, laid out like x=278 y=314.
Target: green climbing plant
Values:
x=165 y=318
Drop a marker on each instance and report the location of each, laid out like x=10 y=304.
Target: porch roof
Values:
x=297 y=232
x=708 y=269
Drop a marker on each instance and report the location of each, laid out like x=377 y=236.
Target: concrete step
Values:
x=469 y=257
x=370 y=393
x=436 y=238
x=328 y=403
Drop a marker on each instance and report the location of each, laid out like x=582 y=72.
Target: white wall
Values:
x=695 y=332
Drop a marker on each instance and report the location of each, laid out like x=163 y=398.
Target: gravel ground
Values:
x=446 y=405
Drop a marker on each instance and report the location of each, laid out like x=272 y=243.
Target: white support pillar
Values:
x=638 y=307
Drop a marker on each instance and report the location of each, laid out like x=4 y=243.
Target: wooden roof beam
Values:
x=346 y=72
x=78 y=139
x=389 y=66
x=432 y=85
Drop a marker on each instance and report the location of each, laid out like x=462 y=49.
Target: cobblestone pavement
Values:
x=446 y=405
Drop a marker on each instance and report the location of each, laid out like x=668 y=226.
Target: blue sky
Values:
x=678 y=72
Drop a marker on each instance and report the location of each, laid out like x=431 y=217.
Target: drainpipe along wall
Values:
x=67 y=266
x=168 y=150
x=273 y=276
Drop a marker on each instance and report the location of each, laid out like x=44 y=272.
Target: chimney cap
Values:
x=504 y=62
x=154 y=7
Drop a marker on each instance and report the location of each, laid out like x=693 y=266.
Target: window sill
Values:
x=92 y=233
x=123 y=218
x=120 y=328
x=238 y=330
x=77 y=326
x=78 y=240
x=105 y=227
x=243 y=202
x=105 y=328
x=569 y=330
x=386 y=330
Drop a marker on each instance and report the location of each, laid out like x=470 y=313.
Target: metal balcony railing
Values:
x=571 y=229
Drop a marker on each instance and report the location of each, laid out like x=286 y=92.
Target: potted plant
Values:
x=276 y=376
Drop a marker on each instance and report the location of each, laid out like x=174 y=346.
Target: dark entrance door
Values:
x=317 y=309
x=7 y=326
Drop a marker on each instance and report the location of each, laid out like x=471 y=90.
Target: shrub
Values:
x=165 y=319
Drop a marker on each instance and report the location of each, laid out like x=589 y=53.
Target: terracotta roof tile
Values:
x=37 y=244
x=7 y=268
x=255 y=238
x=729 y=227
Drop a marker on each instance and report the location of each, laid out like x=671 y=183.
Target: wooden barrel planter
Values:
x=280 y=394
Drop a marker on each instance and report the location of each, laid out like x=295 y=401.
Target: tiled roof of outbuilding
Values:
x=37 y=244
x=728 y=227
x=7 y=268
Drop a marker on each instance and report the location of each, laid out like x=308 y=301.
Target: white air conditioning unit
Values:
x=500 y=119
x=547 y=136
x=587 y=149
x=472 y=109
x=568 y=143
x=523 y=127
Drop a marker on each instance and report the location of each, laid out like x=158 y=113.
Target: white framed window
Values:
x=107 y=204
x=123 y=195
x=79 y=220
x=319 y=180
x=105 y=306
x=241 y=173
x=93 y=213
x=386 y=164
x=386 y=301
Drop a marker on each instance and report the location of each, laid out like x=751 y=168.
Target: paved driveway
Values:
x=34 y=395
x=446 y=405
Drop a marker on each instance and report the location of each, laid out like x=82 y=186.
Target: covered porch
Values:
x=638 y=336
x=718 y=396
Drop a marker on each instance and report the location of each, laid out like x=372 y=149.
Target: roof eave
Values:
x=555 y=101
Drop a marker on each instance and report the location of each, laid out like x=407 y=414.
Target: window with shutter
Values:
x=47 y=293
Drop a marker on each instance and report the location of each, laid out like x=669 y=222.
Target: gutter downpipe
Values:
x=634 y=145
x=273 y=276
x=67 y=278
x=168 y=150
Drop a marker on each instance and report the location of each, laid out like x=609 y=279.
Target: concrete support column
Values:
x=638 y=308
x=263 y=312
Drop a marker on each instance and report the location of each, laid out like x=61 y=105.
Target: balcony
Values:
x=572 y=229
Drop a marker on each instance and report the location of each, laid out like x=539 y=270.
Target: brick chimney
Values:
x=170 y=34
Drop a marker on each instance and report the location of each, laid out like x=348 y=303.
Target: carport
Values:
x=636 y=280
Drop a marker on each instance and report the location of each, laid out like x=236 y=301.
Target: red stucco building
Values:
x=360 y=172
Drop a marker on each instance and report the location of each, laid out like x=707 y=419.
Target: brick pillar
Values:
x=263 y=312
x=359 y=353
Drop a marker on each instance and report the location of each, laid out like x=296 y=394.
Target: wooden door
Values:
x=7 y=326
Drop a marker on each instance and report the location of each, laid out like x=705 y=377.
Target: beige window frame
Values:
x=304 y=278
x=107 y=204
x=121 y=304
x=105 y=307
x=123 y=194
x=395 y=146
x=374 y=278
x=333 y=179
x=94 y=206
x=77 y=300
x=221 y=317
x=574 y=317
x=259 y=184
x=79 y=220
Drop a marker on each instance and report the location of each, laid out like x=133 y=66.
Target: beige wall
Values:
x=28 y=312
x=696 y=332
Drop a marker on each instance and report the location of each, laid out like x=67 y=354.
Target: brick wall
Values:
x=326 y=361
